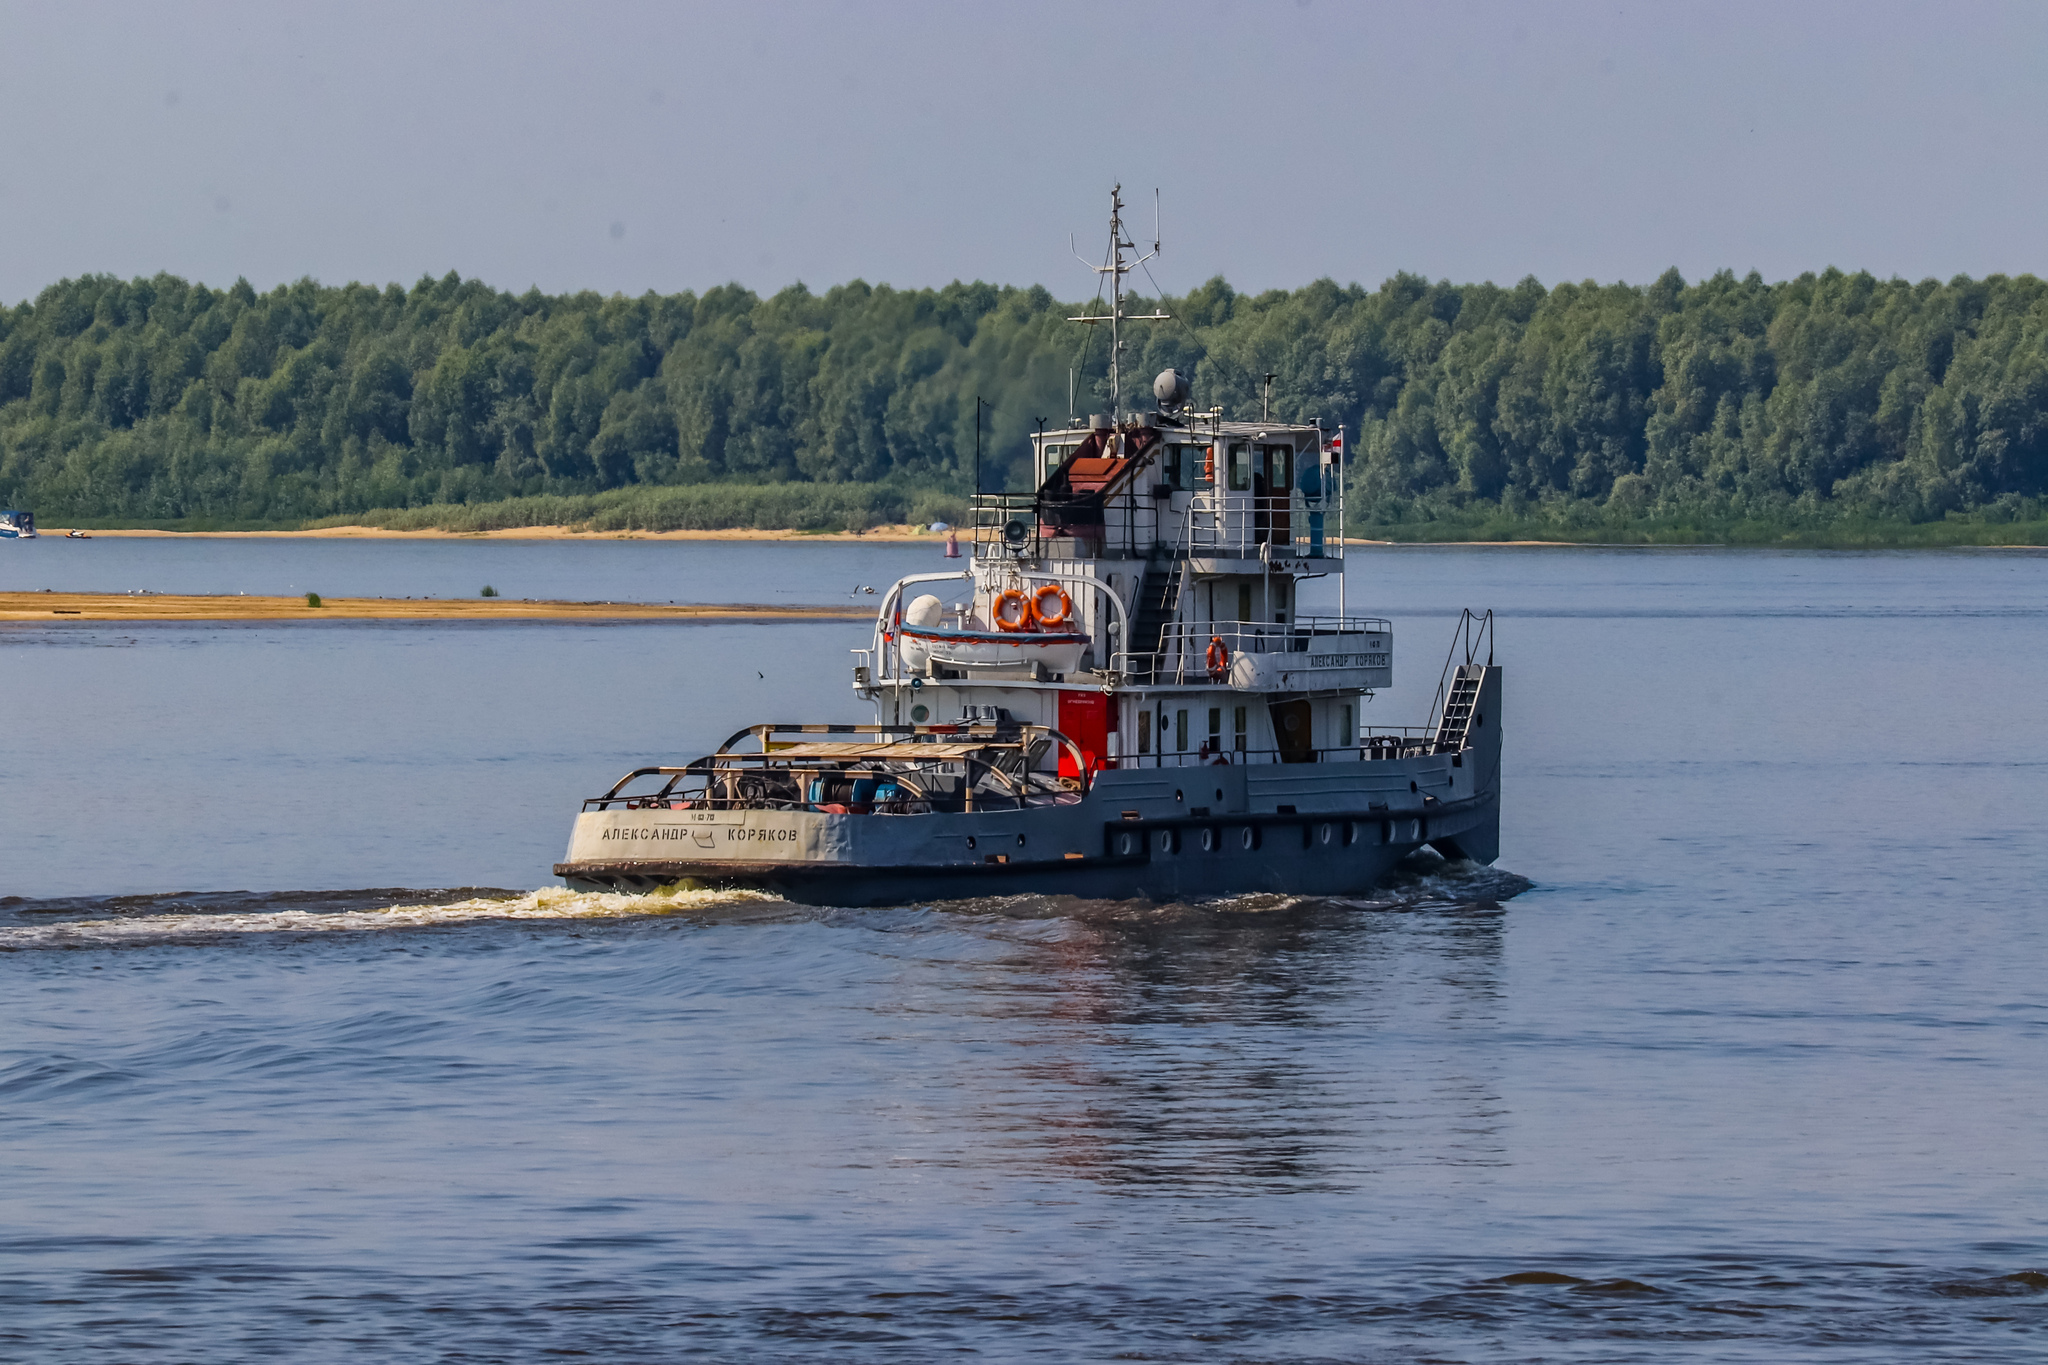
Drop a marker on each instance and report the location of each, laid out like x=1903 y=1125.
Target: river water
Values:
x=1737 y=1055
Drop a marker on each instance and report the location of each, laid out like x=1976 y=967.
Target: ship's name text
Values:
x=733 y=834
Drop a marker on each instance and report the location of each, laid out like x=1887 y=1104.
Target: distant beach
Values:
x=899 y=534
x=55 y=607
x=879 y=533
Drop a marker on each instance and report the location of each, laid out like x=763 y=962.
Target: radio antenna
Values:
x=1116 y=269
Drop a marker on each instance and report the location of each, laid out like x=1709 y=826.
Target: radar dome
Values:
x=1170 y=388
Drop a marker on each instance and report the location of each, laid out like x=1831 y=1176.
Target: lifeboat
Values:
x=927 y=640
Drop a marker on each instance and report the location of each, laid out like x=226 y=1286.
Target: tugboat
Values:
x=1117 y=698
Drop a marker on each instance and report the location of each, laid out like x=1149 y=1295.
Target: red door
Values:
x=1084 y=718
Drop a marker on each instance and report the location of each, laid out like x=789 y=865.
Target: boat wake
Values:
x=213 y=917
x=1423 y=882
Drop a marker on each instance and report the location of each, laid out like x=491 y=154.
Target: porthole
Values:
x=1020 y=841
x=1126 y=844
x=1169 y=841
x=920 y=713
x=1177 y=795
x=1208 y=840
x=970 y=841
x=1412 y=786
x=1325 y=834
x=1250 y=838
x=1350 y=833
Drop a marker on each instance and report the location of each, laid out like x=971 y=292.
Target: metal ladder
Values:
x=1158 y=605
x=1455 y=722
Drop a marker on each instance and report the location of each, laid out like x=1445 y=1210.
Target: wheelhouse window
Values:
x=1240 y=467
x=1277 y=464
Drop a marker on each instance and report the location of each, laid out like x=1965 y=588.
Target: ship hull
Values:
x=1163 y=834
x=1351 y=872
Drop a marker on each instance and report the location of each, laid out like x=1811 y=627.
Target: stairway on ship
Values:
x=1158 y=604
x=1455 y=723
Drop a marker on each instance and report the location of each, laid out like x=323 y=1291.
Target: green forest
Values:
x=1834 y=406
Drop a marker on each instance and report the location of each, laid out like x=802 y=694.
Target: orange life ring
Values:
x=1051 y=619
x=1009 y=597
x=1219 y=658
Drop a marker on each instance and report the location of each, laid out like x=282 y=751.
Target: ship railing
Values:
x=1222 y=751
x=963 y=768
x=1233 y=524
x=1332 y=643
x=1004 y=521
x=1020 y=524
x=1212 y=523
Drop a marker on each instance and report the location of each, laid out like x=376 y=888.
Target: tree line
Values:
x=1825 y=397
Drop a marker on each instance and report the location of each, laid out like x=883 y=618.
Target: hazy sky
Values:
x=677 y=146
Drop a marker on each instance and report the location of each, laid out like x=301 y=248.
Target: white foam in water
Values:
x=1419 y=888
x=548 y=903
x=1450 y=884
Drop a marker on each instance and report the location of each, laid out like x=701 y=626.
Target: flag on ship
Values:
x=1336 y=446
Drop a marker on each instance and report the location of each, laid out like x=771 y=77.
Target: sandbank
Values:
x=47 y=608
x=879 y=533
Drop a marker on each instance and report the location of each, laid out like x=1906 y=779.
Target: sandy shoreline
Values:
x=51 y=608
x=879 y=533
x=889 y=534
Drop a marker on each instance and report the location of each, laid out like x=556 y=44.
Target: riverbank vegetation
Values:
x=700 y=507
x=1831 y=409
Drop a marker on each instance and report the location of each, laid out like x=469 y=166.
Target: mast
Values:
x=1116 y=300
x=1116 y=270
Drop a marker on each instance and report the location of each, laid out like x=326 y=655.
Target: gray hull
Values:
x=1167 y=833
x=1160 y=860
